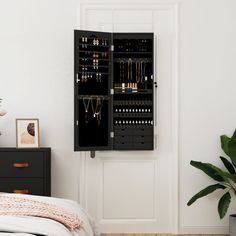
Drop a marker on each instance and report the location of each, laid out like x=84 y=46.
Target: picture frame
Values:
x=27 y=133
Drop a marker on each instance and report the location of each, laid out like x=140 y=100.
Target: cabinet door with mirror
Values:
x=92 y=90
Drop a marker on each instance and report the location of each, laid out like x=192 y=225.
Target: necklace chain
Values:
x=98 y=108
x=86 y=106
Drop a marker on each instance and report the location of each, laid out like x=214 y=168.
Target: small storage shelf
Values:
x=131 y=90
x=113 y=91
x=132 y=103
x=132 y=53
x=91 y=45
x=131 y=115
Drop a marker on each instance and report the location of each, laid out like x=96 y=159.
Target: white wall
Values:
x=36 y=80
x=207 y=96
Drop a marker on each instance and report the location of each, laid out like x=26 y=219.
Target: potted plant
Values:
x=225 y=178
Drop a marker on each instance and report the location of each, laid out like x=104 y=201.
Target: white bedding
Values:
x=28 y=226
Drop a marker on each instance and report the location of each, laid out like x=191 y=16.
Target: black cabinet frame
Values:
x=113 y=91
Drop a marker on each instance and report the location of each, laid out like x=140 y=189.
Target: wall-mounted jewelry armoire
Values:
x=113 y=91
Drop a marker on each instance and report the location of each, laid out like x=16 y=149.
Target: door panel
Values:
x=124 y=191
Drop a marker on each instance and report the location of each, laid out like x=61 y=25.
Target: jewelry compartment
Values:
x=113 y=91
x=92 y=63
x=137 y=137
x=93 y=121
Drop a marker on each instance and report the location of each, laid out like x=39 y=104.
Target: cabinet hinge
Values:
x=77 y=122
x=155 y=83
x=77 y=78
x=112 y=134
x=111 y=91
x=112 y=48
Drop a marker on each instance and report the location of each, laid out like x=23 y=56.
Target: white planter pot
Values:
x=232 y=225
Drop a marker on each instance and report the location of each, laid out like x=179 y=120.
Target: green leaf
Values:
x=228 y=165
x=234 y=135
x=232 y=150
x=205 y=192
x=224 y=143
x=226 y=176
x=209 y=169
x=223 y=204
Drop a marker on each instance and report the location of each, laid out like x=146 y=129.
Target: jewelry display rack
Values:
x=113 y=85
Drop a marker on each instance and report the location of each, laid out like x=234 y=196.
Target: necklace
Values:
x=125 y=73
x=129 y=70
x=141 y=71
x=86 y=102
x=137 y=65
x=138 y=69
x=98 y=108
x=122 y=69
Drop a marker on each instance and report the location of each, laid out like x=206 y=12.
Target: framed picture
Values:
x=27 y=133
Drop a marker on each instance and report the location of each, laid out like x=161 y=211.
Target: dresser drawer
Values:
x=143 y=146
x=123 y=131
x=142 y=138
x=123 y=138
x=122 y=146
x=143 y=131
x=21 y=164
x=33 y=186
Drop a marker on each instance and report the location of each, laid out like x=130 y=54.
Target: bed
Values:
x=31 y=225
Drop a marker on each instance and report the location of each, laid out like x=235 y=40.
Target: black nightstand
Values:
x=26 y=171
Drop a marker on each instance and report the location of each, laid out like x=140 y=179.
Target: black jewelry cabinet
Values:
x=113 y=91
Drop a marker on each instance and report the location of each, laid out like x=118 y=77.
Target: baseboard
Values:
x=201 y=230
x=120 y=234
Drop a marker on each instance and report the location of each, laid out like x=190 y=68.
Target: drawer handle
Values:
x=21 y=165
x=21 y=191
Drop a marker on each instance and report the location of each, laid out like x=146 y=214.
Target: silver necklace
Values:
x=86 y=102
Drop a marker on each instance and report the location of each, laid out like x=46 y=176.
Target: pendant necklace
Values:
x=130 y=70
x=97 y=111
x=137 y=70
x=122 y=71
x=86 y=102
x=141 y=72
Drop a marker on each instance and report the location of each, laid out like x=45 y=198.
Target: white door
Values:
x=136 y=191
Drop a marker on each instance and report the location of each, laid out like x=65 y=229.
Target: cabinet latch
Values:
x=111 y=91
x=112 y=48
x=77 y=122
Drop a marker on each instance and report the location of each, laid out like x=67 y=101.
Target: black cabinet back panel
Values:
x=91 y=129
x=113 y=91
